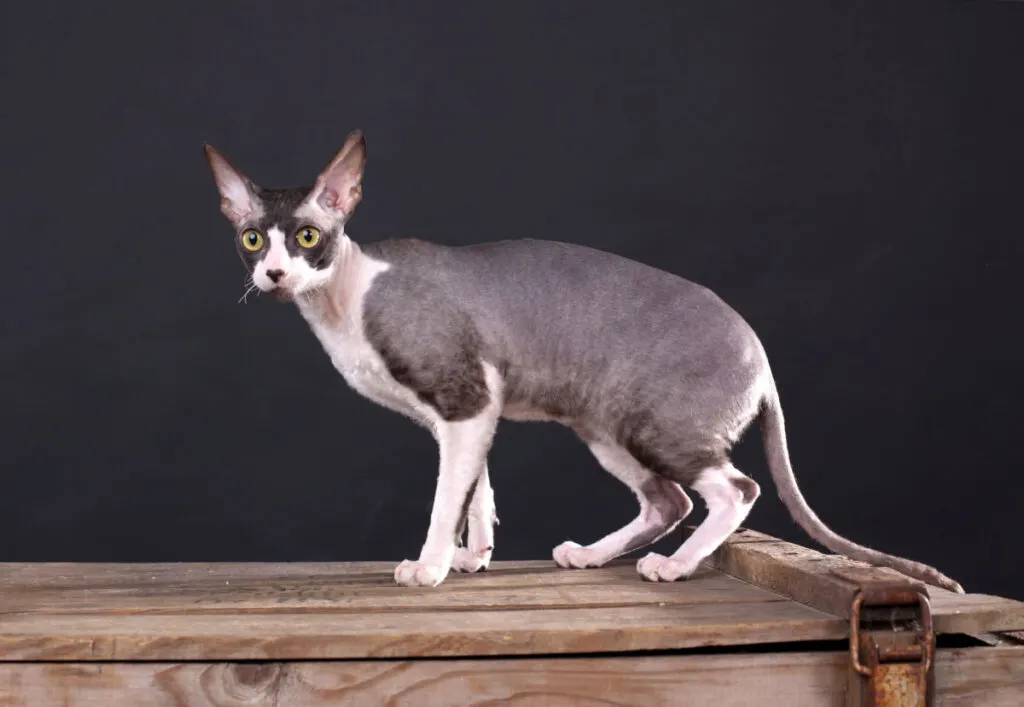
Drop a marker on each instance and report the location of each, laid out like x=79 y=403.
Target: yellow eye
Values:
x=252 y=240
x=308 y=236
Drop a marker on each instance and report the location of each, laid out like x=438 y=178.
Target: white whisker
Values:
x=250 y=286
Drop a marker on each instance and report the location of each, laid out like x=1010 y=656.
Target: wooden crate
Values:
x=764 y=623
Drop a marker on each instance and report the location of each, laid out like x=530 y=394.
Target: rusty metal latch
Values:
x=892 y=646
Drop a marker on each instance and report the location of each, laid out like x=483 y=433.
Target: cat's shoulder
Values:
x=396 y=251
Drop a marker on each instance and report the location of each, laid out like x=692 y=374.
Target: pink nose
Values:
x=275 y=275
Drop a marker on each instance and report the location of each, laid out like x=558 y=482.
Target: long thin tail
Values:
x=773 y=432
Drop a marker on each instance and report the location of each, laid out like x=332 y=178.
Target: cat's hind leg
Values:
x=663 y=505
x=729 y=496
x=481 y=517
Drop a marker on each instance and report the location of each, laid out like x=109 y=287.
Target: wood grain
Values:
x=829 y=582
x=298 y=611
x=301 y=611
x=163 y=589
x=400 y=635
x=989 y=677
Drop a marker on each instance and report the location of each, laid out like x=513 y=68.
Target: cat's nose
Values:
x=275 y=275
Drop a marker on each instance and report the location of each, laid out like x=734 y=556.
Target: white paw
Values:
x=466 y=560
x=573 y=555
x=658 y=568
x=417 y=574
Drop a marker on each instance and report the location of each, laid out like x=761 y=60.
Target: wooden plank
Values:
x=299 y=636
x=824 y=582
x=146 y=589
x=296 y=611
x=797 y=572
x=33 y=574
x=981 y=677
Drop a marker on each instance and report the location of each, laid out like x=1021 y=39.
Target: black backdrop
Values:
x=848 y=177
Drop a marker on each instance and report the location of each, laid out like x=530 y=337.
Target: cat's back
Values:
x=527 y=266
x=530 y=276
x=546 y=303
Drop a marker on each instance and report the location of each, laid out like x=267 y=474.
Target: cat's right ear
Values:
x=238 y=200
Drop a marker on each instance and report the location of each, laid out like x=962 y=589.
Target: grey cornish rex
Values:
x=657 y=375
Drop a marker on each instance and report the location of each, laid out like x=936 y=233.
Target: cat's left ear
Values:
x=238 y=200
x=339 y=188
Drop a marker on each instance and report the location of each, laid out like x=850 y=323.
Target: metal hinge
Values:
x=892 y=646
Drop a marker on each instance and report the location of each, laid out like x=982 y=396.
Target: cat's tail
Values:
x=773 y=432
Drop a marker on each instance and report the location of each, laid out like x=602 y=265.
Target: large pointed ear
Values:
x=238 y=200
x=339 y=188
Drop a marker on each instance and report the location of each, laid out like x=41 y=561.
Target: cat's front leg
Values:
x=481 y=517
x=463 y=447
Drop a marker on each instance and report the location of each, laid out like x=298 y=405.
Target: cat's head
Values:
x=287 y=237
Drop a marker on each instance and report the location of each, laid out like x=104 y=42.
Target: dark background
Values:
x=846 y=175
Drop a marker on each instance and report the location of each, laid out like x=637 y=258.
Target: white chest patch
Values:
x=350 y=352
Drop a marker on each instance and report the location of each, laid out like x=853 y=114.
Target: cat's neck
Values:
x=338 y=301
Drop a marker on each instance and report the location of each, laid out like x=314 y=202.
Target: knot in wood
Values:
x=244 y=681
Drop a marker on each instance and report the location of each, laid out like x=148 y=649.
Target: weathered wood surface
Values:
x=302 y=611
x=305 y=611
x=829 y=582
x=979 y=677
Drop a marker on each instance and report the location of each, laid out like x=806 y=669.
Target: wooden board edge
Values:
x=516 y=643
x=825 y=582
x=972 y=677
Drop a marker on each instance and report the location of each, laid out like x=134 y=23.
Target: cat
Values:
x=657 y=375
